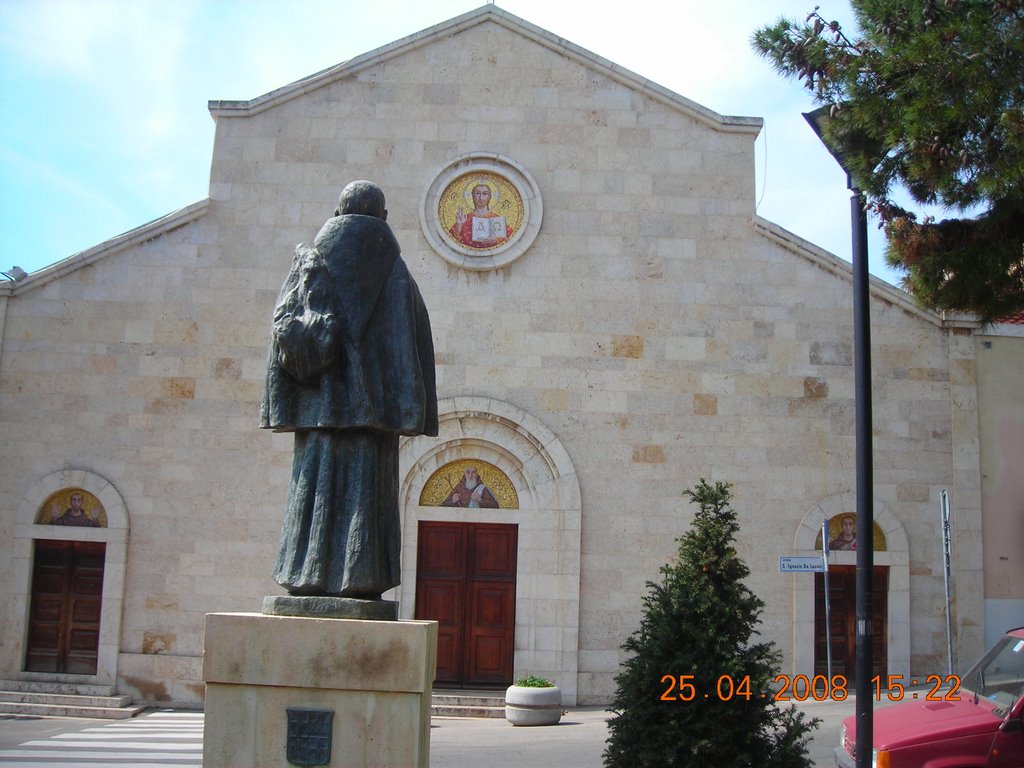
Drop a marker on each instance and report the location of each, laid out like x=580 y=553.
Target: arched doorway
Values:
x=72 y=540
x=67 y=587
x=532 y=545
x=836 y=638
x=466 y=575
x=892 y=584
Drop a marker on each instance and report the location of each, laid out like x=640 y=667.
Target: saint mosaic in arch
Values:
x=469 y=483
x=73 y=507
x=480 y=210
x=842 y=534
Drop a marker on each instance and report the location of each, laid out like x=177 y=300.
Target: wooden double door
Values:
x=843 y=609
x=466 y=581
x=67 y=596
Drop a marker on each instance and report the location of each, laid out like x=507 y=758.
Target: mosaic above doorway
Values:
x=469 y=483
x=843 y=534
x=72 y=507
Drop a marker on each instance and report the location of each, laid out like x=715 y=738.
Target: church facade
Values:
x=612 y=322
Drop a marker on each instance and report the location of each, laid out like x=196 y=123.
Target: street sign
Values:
x=801 y=565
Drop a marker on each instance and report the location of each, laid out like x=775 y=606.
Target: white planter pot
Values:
x=533 y=706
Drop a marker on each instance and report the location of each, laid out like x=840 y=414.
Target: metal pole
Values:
x=946 y=558
x=828 y=602
x=865 y=484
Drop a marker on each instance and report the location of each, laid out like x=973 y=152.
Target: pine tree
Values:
x=696 y=690
x=927 y=97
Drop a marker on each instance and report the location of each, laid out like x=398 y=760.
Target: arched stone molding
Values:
x=896 y=556
x=549 y=519
x=115 y=535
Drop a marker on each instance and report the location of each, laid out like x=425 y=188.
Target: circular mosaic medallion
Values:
x=481 y=212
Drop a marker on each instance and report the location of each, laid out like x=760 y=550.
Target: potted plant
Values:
x=533 y=700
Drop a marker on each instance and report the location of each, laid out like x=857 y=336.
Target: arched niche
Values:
x=32 y=525
x=548 y=517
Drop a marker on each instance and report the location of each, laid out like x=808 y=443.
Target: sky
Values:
x=104 y=123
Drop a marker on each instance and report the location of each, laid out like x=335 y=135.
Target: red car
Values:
x=978 y=724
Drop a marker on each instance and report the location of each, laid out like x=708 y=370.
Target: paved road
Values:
x=169 y=739
x=578 y=741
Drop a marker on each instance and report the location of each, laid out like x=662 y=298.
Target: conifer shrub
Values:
x=697 y=688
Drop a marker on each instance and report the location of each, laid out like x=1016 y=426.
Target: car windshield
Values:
x=999 y=675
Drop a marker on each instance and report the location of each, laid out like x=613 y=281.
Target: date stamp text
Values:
x=816 y=688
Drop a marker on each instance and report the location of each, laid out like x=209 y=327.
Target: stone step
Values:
x=48 y=686
x=441 y=710
x=64 y=699
x=48 y=699
x=31 y=709
x=467 y=704
x=468 y=699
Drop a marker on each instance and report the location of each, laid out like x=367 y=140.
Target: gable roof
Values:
x=482 y=15
x=879 y=289
x=141 y=234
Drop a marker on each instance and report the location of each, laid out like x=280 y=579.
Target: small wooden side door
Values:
x=64 y=618
x=843 y=608
x=466 y=581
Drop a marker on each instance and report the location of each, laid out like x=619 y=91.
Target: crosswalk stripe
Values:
x=157 y=740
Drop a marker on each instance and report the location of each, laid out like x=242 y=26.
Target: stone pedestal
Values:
x=365 y=685
x=330 y=607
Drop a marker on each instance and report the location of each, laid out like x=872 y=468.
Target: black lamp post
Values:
x=865 y=485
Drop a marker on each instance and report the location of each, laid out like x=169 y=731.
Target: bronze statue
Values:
x=351 y=368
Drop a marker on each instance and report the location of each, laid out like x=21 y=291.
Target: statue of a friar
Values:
x=351 y=368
